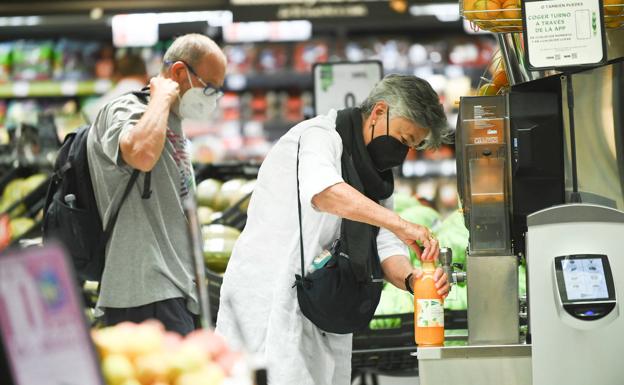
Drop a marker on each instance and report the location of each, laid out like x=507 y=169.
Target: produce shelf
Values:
x=63 y=88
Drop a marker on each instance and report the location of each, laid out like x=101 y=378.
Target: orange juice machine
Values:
x=541 y=180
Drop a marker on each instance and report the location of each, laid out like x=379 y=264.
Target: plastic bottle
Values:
x=428 y=309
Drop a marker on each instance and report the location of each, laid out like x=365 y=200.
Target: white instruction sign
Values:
x=42 y=326
x=564 y=33
x=341 y=85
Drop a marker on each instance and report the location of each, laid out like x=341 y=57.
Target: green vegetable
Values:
x=404 y=201
x=393 y=301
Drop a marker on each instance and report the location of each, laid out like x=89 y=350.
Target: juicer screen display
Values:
x=584 y=278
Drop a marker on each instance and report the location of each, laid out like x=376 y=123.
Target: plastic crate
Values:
x=214 y=281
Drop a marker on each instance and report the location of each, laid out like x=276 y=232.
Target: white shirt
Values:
x=258 y=292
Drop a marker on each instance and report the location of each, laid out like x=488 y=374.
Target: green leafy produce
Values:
x=457 y=298
x=393 y=301
x=421 y=215
x=404 y=201
x=452 y=233
x=522 y=280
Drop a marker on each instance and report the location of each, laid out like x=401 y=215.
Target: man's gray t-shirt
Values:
x=148 y=257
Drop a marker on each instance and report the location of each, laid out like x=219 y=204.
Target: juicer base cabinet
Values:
x=475 y=365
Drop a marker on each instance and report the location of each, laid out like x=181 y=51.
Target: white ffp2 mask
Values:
x=194 y=105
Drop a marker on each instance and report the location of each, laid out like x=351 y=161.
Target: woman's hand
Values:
x=441 y=280
x=412 y=234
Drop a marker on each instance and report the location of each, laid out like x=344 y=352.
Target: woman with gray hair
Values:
x=328 y=182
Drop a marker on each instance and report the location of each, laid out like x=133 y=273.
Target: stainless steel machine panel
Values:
x=493 y=312
x=599 y=130
x=475 y=365
x=568 y=350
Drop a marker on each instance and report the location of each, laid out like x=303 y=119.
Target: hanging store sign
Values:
x=42 y=326
x=135 y=30
x=265 y=10
x=343 y=84
x=564 y=33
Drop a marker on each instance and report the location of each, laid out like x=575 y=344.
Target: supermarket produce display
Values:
x=146 y=354
x=44 y=83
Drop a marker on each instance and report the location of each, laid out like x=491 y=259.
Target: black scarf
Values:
x=377 y=185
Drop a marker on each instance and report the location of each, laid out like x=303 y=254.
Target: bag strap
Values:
x=299 y=211
x=113 y=219
x=147 y=185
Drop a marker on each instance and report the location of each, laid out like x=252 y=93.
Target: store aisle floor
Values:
x=398 y=380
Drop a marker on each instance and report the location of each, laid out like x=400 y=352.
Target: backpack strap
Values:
x=147 y=186
x=113 y=219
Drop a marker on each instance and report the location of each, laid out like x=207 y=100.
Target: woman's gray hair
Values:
x=411 y=98
x=191 y=49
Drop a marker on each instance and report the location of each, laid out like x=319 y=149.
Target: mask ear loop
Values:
x=372 y=130
x=388 y=122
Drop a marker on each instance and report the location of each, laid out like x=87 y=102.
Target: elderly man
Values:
x=148 y=271
x=258 y=291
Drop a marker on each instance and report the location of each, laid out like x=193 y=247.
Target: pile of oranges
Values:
x=506 y=15
x=498 y=82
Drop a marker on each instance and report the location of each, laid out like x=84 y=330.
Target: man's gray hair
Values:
x=411 y=98
x=191 y=49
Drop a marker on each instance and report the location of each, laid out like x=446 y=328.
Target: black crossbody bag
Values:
x=341 y=297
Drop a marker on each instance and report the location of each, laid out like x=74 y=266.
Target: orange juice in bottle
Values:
x=428 y=309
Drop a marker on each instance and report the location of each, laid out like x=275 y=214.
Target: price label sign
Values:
x=44 y=332
x=343 y=84
x=564 y=33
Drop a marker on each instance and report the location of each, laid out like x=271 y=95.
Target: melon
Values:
x=207 y=192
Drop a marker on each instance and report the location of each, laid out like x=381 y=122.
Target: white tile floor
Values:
x=385 y=380
x=398 y=381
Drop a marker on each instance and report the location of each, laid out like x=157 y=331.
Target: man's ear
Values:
x=177 y=72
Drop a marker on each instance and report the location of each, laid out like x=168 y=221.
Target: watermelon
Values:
x=219 y=242
x=207 y=191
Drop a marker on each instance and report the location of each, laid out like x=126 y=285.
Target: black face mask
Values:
x=386 y=151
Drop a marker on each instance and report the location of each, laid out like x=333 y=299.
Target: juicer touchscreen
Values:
x=584 y=279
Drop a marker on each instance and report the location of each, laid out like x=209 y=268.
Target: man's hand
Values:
x=164 y=89
x=411 y=234
x=441 y=280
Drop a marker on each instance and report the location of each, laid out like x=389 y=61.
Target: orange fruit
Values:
x=500 y=78
x=511 y=9
x=469 y=9
x=614 y=22
x=489 y=9
x=613 y=7
x=488 y=89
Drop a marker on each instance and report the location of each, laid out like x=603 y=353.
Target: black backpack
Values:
x=71 y=215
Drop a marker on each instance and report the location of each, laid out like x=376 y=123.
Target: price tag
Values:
x=21 y=89
x=43 y=329
x=236 y=82
x=69 y=88
x=101 y=86
x=564 y=33
x=343 y=84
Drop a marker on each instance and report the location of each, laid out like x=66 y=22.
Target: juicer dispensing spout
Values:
x=446 y=260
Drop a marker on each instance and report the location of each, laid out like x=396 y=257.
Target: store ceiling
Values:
x=47 y=7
